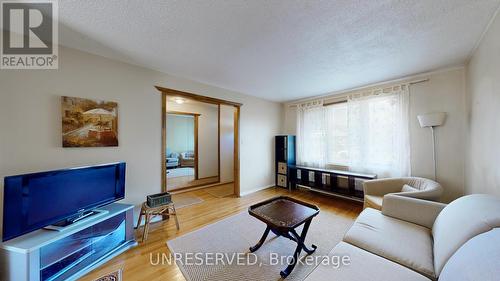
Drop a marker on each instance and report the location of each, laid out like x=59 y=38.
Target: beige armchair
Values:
x=187 y=159
x=420 y=188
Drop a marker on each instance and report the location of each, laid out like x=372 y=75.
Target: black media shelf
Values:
x=333 y=187
x=289 y=175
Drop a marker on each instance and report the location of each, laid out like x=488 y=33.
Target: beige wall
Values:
x=30 y=121
x=208 y=135
x=483 y=106
x=445 y=91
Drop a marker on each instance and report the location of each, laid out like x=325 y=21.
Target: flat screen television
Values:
x=33 y=201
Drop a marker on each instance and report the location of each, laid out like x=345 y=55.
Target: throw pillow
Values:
x=407 y=188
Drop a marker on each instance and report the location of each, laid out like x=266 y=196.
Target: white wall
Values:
x=226 y=143
x=180 y=133
x=289 y=119
x=208 y=134
x=483 y=100
x=30 y=122
x=445 y=91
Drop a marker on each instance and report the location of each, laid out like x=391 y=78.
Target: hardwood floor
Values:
x=136 y=262
x=177 y=183
x=223 y=190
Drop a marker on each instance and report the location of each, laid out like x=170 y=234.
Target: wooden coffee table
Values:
x=283 y=215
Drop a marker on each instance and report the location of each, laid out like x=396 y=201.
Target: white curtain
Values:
x=311 y=134
x=377 y=132
x=379 y=140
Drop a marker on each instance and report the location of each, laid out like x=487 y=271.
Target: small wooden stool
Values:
x=149 y=213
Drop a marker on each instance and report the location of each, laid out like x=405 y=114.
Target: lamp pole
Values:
x=434 y=152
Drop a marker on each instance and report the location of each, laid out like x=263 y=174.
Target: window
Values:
x=368 y=133
x=337 y=134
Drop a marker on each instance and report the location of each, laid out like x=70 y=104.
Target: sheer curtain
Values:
x=374 y=139
x=379 y=140
x=311 y=134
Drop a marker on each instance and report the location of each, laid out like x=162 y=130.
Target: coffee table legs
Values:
x=300 y=246
x=261 y=241
x=304 y=247
x=294 y=236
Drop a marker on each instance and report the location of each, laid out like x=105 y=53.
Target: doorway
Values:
x=200 y=141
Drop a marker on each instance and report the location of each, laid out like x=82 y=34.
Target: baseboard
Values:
x=245 y=193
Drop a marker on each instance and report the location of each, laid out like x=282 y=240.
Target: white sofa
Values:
x=414 y=239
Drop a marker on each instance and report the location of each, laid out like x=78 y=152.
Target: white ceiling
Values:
x=283 y=49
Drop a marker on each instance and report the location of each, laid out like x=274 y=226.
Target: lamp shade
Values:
x=432 y=119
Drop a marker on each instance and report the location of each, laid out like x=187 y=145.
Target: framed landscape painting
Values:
x=89 y=123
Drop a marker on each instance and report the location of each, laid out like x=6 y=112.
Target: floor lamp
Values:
x=432 y=120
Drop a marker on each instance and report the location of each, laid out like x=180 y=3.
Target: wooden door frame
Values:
x=171 y=92
x=218 y=142
x=195 y=133
x=236 y=154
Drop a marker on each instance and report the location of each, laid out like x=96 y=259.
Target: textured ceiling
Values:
x=283 y=49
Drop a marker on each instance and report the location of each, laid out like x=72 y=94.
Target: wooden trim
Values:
x=207 y=177
x=182 y=113
x=218 y=142
x=163 y=142
x=196 y=97
x=196 y=147
x=236 y=162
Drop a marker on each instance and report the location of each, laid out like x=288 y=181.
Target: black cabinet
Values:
x=316 y=180
x=345 y=184
x=285 y=156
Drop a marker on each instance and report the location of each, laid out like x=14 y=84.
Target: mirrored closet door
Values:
x=200 y=143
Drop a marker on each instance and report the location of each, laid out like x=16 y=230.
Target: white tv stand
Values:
x=69 y=254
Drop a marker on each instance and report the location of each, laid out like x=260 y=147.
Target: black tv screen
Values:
x=33 y=201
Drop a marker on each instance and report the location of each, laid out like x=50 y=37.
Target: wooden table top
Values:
x=283 y=212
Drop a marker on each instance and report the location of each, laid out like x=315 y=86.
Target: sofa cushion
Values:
x=399 y=241
x=477 y=259
x=362 y=265
x=461 y=220
x=373 y=201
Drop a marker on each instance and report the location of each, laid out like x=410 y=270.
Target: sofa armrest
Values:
x=380 y=187
x=430 y=195
x=412 y=210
